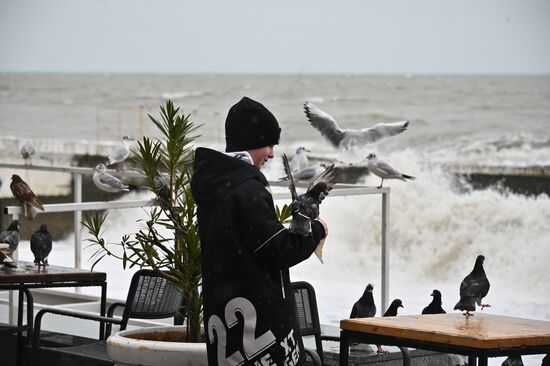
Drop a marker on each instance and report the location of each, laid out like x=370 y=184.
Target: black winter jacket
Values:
x=249 y=311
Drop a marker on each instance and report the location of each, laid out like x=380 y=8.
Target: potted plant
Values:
x=168 y=240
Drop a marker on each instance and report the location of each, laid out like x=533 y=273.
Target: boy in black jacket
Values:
x=249 y=311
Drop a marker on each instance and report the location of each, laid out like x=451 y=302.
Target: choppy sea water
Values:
x=435 y=233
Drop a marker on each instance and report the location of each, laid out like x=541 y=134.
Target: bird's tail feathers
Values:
x=408 y=176
x=29 y=211
x=133 y=187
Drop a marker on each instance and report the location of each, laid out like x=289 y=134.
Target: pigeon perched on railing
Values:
x=27 y=151
x=434 y=307
x=384 y=170
x=473 y=289
x=23 y=193
x=9 y=241
x=350 y=139
x=365 y=306
x=121 y=152
x=41 y=246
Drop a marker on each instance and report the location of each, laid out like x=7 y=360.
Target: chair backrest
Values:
x=308 y=315
x=151 y=296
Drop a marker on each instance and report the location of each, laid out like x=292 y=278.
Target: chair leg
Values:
x=406 y=356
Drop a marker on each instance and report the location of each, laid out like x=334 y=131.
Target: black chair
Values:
x=150 y=296
x=308 y=319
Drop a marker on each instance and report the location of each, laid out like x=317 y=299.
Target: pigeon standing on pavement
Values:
x=473 y=289
x=120 y=153
x=384 y=170
x=27 y=151
x=349 y=139
x=365 y=306
x=434 y=307
x=41 y=246
x=108 y=182
x=9 y=241
x=23 y=193
x=513 y=361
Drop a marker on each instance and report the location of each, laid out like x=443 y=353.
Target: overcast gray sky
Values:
x=282 y=36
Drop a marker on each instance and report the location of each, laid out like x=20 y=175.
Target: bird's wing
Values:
x=328 y=176
x=112 y=181
x=353 y=311
x=3 y=236
x=380 y=132
x=291 y=185
x=324 y=123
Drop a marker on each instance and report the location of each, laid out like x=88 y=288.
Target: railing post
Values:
x=77 y=178
x=385 y=250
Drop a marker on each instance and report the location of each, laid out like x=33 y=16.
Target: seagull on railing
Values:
x=27 y=151
x=300 y=160
x=121 y=152
x=108 y=182
x=384 y=170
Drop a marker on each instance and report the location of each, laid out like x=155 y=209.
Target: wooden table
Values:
x=27 y=276
x=481 y=336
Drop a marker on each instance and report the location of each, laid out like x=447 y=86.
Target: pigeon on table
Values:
x=41 y=246
x=23 y=193
x=434 y=307
x=391 y=311
x=121 y=152
x=473 y=289
x=365 y=306
x=9 y=241
x=350 y=139
x=27 y=151
x=384 y=170
x=513 y=361
x=108 y=182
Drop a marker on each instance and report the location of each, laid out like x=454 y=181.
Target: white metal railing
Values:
x=78 y=206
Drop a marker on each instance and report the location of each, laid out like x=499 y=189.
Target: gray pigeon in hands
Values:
x=365 y=306
x=434 y=307
x=41 y=246
x=9 y=241
x=473 y=289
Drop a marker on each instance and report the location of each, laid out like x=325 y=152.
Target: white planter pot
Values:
x=126 y=351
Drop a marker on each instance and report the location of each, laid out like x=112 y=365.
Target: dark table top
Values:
x=28 y=273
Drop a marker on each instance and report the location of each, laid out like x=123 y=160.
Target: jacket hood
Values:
x=215 y=174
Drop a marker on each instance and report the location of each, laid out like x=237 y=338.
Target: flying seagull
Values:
x=473 y=289
x=365 y=306
x=9 y=241
x=41 y=246
x=107 y=182
x=23 y=193
x=27 y=150
x=121 y=152
x=434 y=307
x=384 y=170
x=346 y=139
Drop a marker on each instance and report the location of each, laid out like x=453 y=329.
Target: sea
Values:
x=435 y=230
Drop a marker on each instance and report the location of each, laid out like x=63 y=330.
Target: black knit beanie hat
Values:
x=249 y=125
